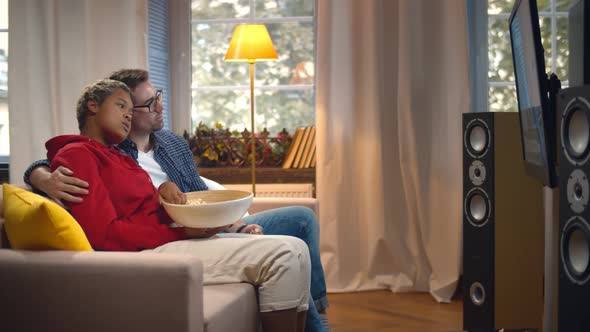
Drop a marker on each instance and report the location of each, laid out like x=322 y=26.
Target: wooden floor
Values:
x=386 y=311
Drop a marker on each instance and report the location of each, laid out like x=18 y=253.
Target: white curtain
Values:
x=56 y=48
x=392 y=84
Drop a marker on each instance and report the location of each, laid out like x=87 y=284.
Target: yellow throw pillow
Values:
x=34 y=222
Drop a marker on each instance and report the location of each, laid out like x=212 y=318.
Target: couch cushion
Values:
x=35 y=223
x=230 y=307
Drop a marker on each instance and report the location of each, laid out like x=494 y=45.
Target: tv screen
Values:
x=537 y=123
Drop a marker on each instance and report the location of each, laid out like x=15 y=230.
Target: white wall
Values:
x=56 y=48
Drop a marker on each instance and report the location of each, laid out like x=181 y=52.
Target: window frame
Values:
x=478 y=26
x=5 y=159
x=246 y=87
x=179 y=23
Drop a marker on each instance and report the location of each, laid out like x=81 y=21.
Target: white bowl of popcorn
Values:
x=210 y=208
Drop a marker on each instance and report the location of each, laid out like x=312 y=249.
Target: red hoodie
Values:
x=121 y=211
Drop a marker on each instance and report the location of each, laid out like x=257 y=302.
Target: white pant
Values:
x=277 y=265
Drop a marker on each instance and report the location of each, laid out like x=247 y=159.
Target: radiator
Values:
x=300 y=190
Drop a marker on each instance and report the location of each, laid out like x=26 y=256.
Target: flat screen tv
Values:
x=537 y=120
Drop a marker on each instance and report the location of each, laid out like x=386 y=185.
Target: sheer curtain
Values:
x=392 y=84
x=56 y=48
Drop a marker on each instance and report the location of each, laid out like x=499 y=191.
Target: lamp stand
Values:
x=253 y=160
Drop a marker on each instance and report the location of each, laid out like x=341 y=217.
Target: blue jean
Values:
x=300 y=222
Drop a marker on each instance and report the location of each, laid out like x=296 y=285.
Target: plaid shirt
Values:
x=171 y=152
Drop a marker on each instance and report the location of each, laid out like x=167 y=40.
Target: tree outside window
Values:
x=284 y=90
x=553 y=21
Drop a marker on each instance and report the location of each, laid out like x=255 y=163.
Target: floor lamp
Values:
x=251 y=43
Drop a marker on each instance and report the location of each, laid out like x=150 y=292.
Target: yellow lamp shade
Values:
x=251 y=43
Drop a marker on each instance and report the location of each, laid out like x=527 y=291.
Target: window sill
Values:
x=4 y=178
x=234 y=175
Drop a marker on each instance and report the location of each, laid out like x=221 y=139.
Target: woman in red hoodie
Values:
x=122 y=213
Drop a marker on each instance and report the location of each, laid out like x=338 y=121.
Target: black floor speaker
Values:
x=503 y=228
x=579 y=43
x=573 y=312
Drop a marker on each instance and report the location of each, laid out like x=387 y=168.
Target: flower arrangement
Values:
x=218 y=147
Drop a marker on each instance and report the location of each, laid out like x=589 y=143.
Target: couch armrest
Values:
x=266 y=203
x=100 y=291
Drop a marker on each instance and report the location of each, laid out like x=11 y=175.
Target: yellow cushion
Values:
x=34 y=222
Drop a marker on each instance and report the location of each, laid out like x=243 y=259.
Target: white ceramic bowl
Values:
x=221 y=208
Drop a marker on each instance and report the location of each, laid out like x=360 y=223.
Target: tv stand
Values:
x=554 y=85
x=551 y=198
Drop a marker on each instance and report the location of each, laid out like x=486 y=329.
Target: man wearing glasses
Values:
x=166 y=156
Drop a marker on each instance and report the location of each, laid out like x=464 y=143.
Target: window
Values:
x=553 y=20
x=4 y=139
x=284 y=90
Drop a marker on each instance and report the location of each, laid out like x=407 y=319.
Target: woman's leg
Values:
x=302 y=223
x=278 y=265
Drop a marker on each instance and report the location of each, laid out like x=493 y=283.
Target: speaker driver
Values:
x=575 y=250
x=477 y=207
x=477 y=138
x=477 y=293
x=575 y=131
x=477 y=173
x=578 y=191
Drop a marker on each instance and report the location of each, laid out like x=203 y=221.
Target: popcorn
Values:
x=195 y=201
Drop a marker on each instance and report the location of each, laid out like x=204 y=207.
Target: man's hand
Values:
x=59 y=185
x=170 y=193
x=246 y=229
x=252 y=229
x=200 y=233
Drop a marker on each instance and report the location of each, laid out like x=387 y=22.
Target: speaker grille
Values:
x=575 y=250
x=477 y=138
x=477 y=173
x=477 y=294
x=477 y=207
x=577 y=191
x=575 y=131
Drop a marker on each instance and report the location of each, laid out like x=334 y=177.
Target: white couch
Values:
x=121 y=291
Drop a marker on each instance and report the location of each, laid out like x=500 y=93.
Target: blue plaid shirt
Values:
x=171 y=152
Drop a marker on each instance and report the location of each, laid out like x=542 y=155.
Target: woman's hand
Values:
x=201 y=233
x=170 y=193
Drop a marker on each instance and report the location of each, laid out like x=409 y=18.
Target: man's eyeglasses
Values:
x=150 y=104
